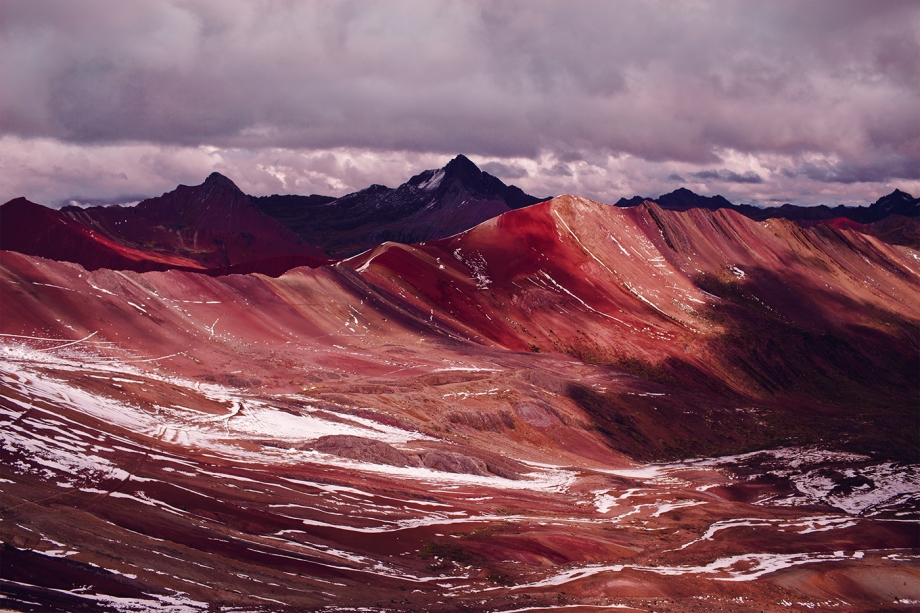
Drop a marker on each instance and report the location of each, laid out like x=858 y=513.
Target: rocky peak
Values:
x=897 y=202
x=683 y=199
x=216 y=180
x=461 y=167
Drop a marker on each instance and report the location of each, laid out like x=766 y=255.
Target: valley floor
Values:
x=127 y=487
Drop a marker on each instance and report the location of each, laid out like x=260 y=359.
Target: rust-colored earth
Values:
x=569 y=407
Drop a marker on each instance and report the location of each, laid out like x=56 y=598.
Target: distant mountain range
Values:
x=682 y=199
x=431 y=205
x=892 y=218
x=217 y=229
x=212 y=227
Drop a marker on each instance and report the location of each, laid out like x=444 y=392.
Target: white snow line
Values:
x=104 y=291
x=577 y=240
x=645 y=300
x=626 y=253
x=70 y=343
x=54 y=286
x=588 y=306
x=138 y=307
x=38 y=338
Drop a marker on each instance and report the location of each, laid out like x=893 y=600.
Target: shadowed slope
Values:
x=430 y=205
x=34 y=229
x=671 y=292
x=894 y=218
x=213 y=223
x=210 y=226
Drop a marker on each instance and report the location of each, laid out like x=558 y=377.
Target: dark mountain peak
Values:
x=216 y=197
x=216 y=180
x=461 y=174
x=683 y=199
x=634 y=201
x=897 y=202
x=19 y=202
x=898 y=194
x=433 y=204
x=462 y=167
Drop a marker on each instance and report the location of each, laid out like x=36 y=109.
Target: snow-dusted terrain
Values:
x=568 y=407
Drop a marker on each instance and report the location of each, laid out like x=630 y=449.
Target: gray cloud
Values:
x=725 y=176
x=504 y=171
x=877 y=171
x=830 y=85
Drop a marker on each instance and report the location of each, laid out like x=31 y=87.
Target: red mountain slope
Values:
x=645 y=288
x=895 y=229
x=34 y=229
x=209 y=226
x=382 y=433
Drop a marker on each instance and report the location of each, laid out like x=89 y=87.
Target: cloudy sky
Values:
x=764 y=102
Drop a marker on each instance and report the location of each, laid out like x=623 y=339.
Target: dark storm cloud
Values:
x=725 y=176
x=673 y=81
x=504 y=171
x=560 y=170
x=695 y=84
x=849 y=172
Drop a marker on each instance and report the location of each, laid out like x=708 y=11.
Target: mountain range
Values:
x=893 y=218
x=431 y=205
x=210 y=227
x=660 y=406
x=682 y=199
x=216 y=228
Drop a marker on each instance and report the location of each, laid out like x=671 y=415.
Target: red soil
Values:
x=171 y=447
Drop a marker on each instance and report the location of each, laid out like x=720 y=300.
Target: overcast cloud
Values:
x=763 y=102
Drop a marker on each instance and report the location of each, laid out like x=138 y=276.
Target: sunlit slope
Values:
x=761 y=308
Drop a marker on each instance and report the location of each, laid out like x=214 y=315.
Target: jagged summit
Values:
x=433 y=204
x=889 y=211
x=462 y=166
x=683 y=199
x=217 y=180
x=897 y=203
x=216 y=225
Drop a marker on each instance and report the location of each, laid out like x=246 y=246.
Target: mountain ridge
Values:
x=211 y=226
x=896 y=203
x=561 y=387
x=893 y=217
x=216 y=227
x=432 y=204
